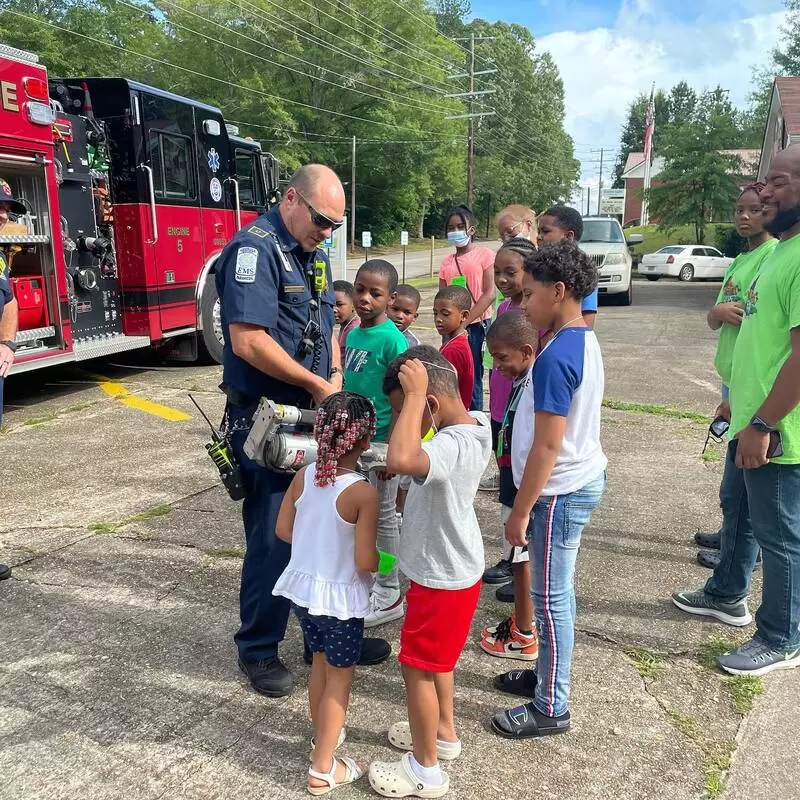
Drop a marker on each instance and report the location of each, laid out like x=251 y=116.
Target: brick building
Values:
x=783 y=122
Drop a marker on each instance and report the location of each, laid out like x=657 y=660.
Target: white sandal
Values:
x=339 y=742
x=398 y=780
x=354 y=772
x=400 y=737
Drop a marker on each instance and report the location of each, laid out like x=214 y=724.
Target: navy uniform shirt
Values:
x=6 y=295
x=258 y=287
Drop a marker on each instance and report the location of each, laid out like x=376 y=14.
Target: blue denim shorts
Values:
x=339 y=639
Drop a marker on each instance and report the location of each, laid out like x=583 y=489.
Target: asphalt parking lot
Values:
x=117 y=668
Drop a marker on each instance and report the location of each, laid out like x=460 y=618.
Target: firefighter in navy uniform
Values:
x=276 y=303
x=8 y=308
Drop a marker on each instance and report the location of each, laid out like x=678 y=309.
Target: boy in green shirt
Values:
x=726 y=317
x=765 y=424
x=369 y=350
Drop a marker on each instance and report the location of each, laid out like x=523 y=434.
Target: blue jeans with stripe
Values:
x=555 y=537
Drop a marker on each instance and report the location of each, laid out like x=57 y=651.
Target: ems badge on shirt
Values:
x=246 y=262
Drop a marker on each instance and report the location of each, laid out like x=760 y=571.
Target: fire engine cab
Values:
x=131 y=193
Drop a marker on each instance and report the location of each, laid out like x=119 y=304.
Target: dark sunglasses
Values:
x=320 y=220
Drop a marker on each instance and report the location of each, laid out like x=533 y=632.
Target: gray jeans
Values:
x=387 y=587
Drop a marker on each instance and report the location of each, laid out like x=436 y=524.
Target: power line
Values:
x=209 y=77
x=173 y=23
x=262 y=13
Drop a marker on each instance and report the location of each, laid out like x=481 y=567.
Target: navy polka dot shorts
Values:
x=339 y=639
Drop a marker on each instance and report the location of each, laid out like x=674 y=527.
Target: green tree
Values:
x=698 y=179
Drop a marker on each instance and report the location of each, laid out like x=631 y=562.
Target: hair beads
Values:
x=342 y=420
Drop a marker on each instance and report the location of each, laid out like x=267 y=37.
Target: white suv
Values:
x=604 y=242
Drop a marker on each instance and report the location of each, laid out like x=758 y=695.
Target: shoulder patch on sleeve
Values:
x=246 y=264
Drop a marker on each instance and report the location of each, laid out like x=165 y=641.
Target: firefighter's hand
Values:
x=322 y=389
x=6 y=359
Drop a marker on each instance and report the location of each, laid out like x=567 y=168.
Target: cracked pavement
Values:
x=118 y=673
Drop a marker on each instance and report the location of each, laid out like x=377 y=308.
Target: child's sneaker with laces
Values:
x=490 y=631
x=509 y=642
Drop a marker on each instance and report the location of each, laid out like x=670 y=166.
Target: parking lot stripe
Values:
x=119 y=392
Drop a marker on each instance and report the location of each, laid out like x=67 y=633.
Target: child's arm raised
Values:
x=285 y=522
x=541 y=460
x=366 y=535
x=406 y=456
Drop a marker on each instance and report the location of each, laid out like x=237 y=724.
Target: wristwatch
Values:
x=762 y=426
x=10 y=344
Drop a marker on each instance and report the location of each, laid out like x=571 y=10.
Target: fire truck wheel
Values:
x=211 y=334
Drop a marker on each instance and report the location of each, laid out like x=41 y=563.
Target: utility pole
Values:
x=471 y=115
x=600 y=188
x=353 y=200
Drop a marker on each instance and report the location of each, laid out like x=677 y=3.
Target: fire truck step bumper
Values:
x=108 y=345
x=34 y=334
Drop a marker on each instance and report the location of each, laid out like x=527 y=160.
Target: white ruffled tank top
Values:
x=322 y=575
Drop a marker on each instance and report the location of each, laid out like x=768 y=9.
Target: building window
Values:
x=171 y=162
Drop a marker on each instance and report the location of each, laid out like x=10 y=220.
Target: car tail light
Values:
x=35 y=89
x=670 y=259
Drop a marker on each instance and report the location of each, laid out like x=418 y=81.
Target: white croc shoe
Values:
x=400 y=737
x=397 y=779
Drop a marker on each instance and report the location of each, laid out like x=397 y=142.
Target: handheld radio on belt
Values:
x=223 y=459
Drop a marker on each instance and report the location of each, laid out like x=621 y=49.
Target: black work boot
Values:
x=268 y=676
x=5 y=572
x=505 y=593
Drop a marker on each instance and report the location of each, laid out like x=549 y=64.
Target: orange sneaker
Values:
x=506 y=624
x=508 y=642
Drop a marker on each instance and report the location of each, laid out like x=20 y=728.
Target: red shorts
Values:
x=436 y=626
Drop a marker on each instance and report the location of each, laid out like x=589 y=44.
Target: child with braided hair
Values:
x=330 y=516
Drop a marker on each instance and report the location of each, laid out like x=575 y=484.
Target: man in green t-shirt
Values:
x=369 y=350
x=765 y=421
x=726 y=316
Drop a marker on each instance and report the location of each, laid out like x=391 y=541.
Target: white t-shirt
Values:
x=567 y=379
x=441 y=545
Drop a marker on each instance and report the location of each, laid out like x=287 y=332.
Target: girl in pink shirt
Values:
x=475 y=265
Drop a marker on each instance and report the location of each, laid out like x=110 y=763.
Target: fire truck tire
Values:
x=211 y=334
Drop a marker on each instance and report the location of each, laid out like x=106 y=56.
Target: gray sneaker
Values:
x=705 y=605
x=756 y=657
x=490 y=483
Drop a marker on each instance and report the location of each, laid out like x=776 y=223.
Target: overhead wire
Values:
x=166 y=63
x=419 y=105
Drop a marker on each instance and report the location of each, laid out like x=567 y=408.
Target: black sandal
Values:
x=709 y=540
x=521 y=682
x=526 y=722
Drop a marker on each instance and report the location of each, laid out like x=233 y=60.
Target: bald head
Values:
x=313 y=202
x=788 y=160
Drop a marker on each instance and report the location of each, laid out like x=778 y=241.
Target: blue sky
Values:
x=608 y=51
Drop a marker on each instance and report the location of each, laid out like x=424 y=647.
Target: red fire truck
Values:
x=131 y=192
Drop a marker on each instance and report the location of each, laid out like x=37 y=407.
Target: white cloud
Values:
x=606 y=68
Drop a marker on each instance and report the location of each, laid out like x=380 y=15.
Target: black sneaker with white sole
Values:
x=705 y=605
x=499 y=573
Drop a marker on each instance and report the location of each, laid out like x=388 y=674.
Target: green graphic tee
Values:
x=367 y=354
x=737 y=280
x=772 y=309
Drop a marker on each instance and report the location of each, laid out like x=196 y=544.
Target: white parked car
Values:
x=686 y=262
x=604 y=242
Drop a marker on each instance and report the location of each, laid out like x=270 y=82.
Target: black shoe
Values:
x=710 y=559
x=505 y=594
x=499 y=573
x=373 y=651
x=706 y=539
x=521 y=682
x=527 y=722
x=268 y=676
x=5 y=572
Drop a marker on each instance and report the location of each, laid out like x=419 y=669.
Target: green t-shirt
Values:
x=735 y=284
x=772 y=309
x=367 y=354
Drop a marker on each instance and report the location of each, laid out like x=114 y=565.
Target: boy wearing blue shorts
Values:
x=559 y=470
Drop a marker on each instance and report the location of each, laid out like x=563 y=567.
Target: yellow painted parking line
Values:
x=119 y=392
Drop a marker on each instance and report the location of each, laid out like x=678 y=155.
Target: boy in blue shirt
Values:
x=559 y=470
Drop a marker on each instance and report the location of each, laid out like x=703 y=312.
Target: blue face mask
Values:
x=458 y=238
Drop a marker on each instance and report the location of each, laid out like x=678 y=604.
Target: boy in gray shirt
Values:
x=441 y=553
